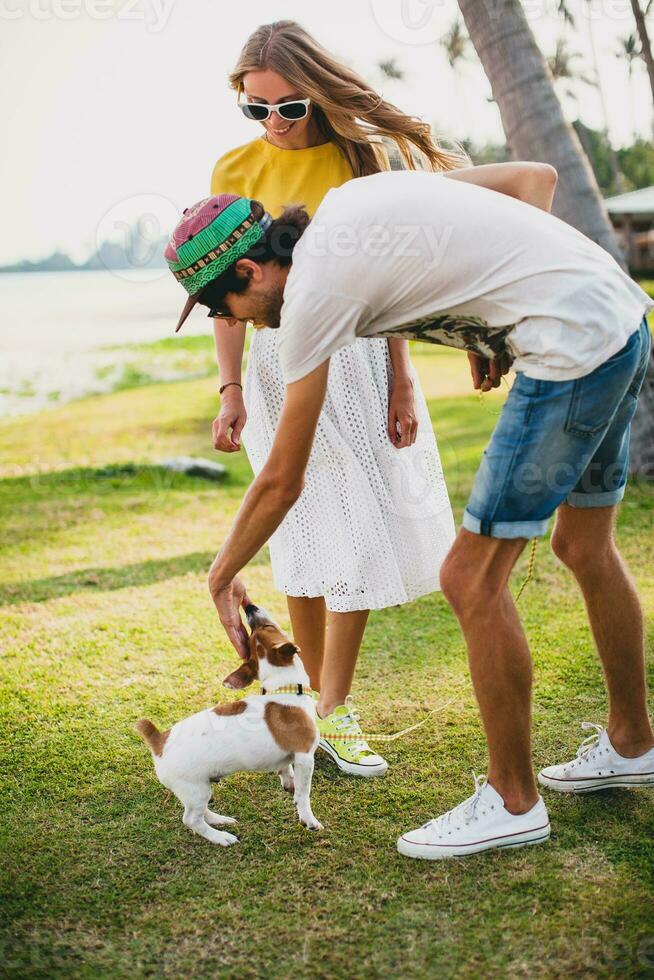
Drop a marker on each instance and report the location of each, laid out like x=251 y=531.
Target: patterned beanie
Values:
x=210 y=237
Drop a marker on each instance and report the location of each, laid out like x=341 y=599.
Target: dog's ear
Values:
x=243 y=675
x=281 y=655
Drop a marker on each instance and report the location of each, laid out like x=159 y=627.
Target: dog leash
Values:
x=301 y=689
x=361 y=736
x=530 y=569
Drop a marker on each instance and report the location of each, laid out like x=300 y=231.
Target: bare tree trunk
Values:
x=641 y=25
x=536 y=129
x=533 y=120
x=641 y=455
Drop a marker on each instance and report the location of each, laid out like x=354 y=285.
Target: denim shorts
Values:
x=559 y=442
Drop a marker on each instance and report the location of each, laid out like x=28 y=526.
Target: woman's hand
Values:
x=228 y=601
x=230 y=419
x=402 y=415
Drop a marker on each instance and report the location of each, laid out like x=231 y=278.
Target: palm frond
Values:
x=391 y=69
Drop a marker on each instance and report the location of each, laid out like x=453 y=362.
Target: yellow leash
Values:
x=483 y=402
x=530 y=569
x=389 y=738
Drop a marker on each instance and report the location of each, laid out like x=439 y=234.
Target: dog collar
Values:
x=289 y=689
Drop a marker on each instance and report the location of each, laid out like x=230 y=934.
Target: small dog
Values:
x=272 y=732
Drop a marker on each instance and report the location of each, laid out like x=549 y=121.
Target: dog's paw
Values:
x=312 y=824
x=226 y=839
x=217 y=819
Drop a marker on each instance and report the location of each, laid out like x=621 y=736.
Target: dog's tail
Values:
x=151 y=735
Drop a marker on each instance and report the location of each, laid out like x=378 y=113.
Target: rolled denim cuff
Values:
x=504 y=529
x=606 y=498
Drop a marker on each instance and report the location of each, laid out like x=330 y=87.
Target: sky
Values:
x=118 y=108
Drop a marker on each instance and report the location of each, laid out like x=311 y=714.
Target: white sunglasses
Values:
x=260 y=111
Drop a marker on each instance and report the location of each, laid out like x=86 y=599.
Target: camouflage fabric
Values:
x=470 y=333
x=465 y=333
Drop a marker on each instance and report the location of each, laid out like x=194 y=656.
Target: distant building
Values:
x=632 y=216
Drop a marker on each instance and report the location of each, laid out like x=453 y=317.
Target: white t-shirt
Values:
x=414 y=254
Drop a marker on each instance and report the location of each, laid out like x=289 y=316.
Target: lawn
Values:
x=106 y=617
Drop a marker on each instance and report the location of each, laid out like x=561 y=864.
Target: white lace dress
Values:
x=374 y=523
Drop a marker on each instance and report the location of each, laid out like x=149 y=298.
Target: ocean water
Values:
x=55 y=328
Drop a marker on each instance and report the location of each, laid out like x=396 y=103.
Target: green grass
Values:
x=106 y=617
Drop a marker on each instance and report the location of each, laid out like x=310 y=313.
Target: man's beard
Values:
x=269 y=308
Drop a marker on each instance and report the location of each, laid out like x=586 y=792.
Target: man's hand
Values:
x=228 y=601
x=402 y=416
x=232 y=416
x=268 y=500
x=486 y=373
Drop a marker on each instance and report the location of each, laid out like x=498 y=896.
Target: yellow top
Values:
x=279 y=177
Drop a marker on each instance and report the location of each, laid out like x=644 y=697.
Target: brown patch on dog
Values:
x=151 y=735
x=290 y=726
x=268 y=642
x=233 y=708
x=268 y=638
x=281 y=655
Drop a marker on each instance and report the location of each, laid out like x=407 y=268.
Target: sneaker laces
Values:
x=465 y=812
x=349 y=725
x=586 y=751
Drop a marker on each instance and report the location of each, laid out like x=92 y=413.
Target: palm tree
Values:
x=455 y=43
x=534 y=124
x=629 y=50
x=562 y=65
x=536 y=129
x=618 y=176
x=566 y=13
x=570 y=21
x=391 y=69
x=641 y=455
x=640 y=16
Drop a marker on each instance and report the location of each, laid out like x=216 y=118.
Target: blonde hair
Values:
x=348 y=112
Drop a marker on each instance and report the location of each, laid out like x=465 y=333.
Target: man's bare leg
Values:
x=583 y=539
x=474 y=579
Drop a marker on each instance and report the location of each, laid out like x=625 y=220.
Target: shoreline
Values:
x=50 y=380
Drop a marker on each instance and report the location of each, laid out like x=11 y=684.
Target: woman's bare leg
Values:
x=330 y=644
x=342 y=644
x=308 y=620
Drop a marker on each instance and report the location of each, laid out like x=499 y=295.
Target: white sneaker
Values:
x=480 y=823
x=598 y=766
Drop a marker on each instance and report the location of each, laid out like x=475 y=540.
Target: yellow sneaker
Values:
x=351 y=754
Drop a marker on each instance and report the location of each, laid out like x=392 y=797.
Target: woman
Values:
x=374 y=520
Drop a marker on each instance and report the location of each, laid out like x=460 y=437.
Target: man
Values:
x=416 y=255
